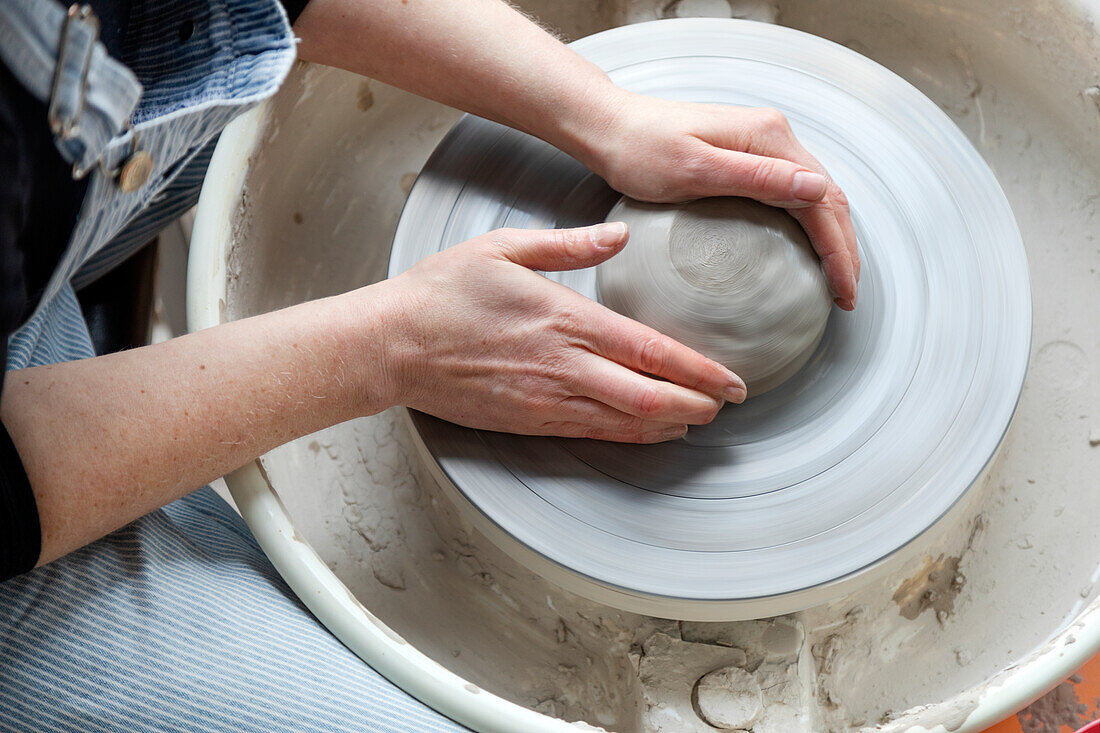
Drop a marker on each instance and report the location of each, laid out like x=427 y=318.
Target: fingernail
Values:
x=673 y=433
x=608 y=236
x=735 y=394
x=845 y=304
x=808 y=186
x=736 y=391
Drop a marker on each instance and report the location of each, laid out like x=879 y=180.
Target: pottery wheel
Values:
x=790 y=498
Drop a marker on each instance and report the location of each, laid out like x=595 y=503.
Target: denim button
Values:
x=135 y=172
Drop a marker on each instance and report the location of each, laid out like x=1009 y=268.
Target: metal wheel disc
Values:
x=780 y=501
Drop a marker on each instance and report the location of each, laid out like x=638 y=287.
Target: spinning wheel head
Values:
x=800 y=494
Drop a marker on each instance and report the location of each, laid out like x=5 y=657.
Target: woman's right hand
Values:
x=477 y=338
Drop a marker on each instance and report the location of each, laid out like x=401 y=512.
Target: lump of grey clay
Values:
x=729 y=277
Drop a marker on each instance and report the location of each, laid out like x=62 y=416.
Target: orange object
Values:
x=1072 y=704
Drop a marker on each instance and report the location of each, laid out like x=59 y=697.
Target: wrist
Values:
x=361 y=324
x=381 y=346
x=586 y=129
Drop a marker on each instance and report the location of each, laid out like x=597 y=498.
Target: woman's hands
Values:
x=479 y=339
x=485 y=58
x=656 y=150
x=486 y=342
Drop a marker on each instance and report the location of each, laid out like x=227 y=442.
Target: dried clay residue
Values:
x=698 y=677
x=364 y=98
x=935 y=586
x=938 y=582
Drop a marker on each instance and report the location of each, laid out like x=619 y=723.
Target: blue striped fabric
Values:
x=238 y=55
x=57 y=334
x=171 y=203
x=177 y=622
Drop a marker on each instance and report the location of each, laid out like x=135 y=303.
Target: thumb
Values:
x=560 y=249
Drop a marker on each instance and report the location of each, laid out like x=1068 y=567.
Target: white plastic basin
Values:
x=301 y=201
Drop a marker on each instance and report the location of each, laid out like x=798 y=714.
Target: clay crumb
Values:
x=389 y=574
x=407 y=182
x=550 y=707
x=1093 y=93
x=297 y=217
x=364 y=97
x=977 y=531
x=1094 y=437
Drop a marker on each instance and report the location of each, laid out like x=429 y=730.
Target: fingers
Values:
x=582 y=417
x=827 y=239
x=559 y=249
x=635 y=394
x=805 y=194
x=808 y=195
x=645 y=350
x=831 y=246
x=844 y=218
x=827 y=218
x=773 y=181
x=838 y=202
x=579 y=430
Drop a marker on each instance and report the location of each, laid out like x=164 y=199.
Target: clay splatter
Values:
x=1093 y=93
x=364 y=98
x=935 y=586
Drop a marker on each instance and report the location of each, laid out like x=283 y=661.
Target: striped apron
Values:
x=178 y=621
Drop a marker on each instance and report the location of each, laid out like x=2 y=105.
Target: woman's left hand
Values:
x=490 y=60
x=661 y=151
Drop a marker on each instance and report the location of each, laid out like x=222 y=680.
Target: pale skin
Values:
x=471 y=334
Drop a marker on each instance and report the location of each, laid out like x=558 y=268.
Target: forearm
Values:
x=481 y=56
x=108 y=439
